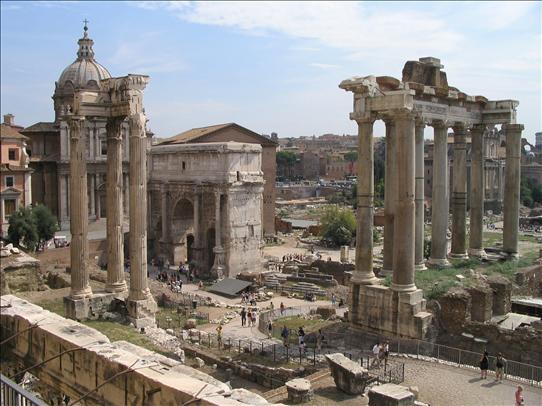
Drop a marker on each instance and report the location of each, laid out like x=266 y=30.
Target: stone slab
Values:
x=349 y=376
x=390 y=394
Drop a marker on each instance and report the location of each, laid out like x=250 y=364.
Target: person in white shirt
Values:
x=376 y=355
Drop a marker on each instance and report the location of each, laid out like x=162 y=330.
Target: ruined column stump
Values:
x=390 y=394
x=349 y=376
x=299 y=390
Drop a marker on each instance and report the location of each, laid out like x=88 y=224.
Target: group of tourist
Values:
x=381 y=352
x=500 y=363
x=294 y=257
x=249 y=316
x=248 y=298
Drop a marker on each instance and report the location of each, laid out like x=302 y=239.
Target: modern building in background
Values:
x=15 y=174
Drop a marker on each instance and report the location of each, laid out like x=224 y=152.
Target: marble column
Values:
x=363 y=274
x=80 y=281
x=476 y=248
x=405 y=209
x=92 y=198
x=419 y=260
x=125 y=192
x=139 y=290
x=218 y=266
x=115 y=236
x=390 y=192
x=512 y=189
x=440 y=197
x=459 y=193
x=63 y=198
x=98 y=201
x=196 y=219
x=164 y=204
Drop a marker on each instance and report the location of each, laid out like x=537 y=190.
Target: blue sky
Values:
x=270 y=66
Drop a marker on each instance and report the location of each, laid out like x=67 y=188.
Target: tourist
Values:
x=519 y=396
x=269 y=329
x=249 y=317
x=386 y=353
x=333 y=299
x=281 y=308
x=272 y=306
x=319 y=340
x=254 y=314
x=219 y=336
x=341 y=302
x=200 y=285
x=285 y=334
x=499 y=367
x=243 y=317
x=376 y=355
x=484 y=365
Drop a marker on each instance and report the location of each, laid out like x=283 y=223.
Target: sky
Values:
x=270 y=66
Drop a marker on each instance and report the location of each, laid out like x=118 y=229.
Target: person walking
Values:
x=219 y=336
x=254 y=314
x=243 y=317
x=249 y=317
x=386 y=353
x=376 y=355
x=499 y=367
x=281 y=308
x=285 y=334
x=319 y=340
x=484 y=365
x=333 y=299
x=519 y=396
x=269 y=329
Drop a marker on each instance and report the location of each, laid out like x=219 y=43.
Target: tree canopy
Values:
x=30 y=227
x=338 y=225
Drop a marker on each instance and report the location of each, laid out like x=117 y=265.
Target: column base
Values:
x=420 y=267
x=118 y=288
x=89 y=307
x=439 y=263
x=381 y=310
x=81 y=294
x=459 y=256
x=477 y=253
x=403 y=288
x=364 y=279
x=141 y=312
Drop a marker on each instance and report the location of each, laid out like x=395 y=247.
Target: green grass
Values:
x=509 y=268
x=491 y=238
x=435 y=282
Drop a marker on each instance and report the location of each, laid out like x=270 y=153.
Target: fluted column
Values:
x=92 y=198
x=125 y=192
x=405 y=210
x=419 y=260
x=459 y=193
x=164 y=205
x=139 y=289
x=390 y=192
x=80 y=282
x=363 y=274
x=512 y=188
x=440 y=197
x=218 y=266
x=476 y=248
x=115 y=237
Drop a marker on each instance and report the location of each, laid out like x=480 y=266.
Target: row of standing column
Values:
x=137 y=210
x=404 y=210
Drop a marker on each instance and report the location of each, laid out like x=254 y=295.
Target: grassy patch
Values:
x=491 y=238
x=435 y=282
x=54 y=306
x=509 y=268
x=121 y=332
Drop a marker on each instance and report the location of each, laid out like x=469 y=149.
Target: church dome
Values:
x=85 y=72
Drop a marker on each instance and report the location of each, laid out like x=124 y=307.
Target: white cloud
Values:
x=324 y=65
x=344 y=25
x=497 y=15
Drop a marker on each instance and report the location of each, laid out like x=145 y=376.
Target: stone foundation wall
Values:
x=341 y=272
x=481 y=303
x=153 y=378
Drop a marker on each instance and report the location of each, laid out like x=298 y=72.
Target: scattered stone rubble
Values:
x=299 y=390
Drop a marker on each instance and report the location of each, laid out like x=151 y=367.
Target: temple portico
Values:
x=118 y=102
x=421 y=98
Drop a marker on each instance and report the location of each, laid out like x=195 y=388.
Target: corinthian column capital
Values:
x=137 y=124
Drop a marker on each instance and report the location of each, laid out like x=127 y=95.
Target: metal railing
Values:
x=12 y=394
x=359 y=343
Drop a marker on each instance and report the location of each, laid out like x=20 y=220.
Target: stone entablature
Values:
x=206 y=206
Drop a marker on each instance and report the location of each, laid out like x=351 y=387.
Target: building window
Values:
x=103 y=147
x=9 y=207
x=10 y=181
x=12 y=154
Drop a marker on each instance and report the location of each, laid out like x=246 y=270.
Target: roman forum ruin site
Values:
x=199 y=292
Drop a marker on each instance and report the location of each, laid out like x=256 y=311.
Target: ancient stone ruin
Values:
x=423 y=97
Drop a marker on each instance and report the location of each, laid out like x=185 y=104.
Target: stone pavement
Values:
x=446 y=385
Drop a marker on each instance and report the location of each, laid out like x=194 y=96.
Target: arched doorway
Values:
x=182 y=224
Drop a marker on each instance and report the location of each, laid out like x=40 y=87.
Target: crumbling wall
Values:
x=342 y=272
x=502 y=293
x=455 y=309
x=481 y=302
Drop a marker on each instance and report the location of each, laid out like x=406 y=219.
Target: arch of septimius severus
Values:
x=116 y=100
x=422 y=98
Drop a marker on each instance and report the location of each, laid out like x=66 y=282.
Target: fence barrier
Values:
x=12 y=394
